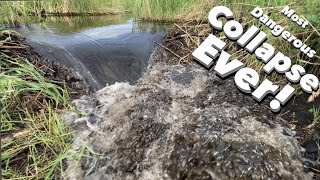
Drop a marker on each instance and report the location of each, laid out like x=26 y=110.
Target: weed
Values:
x=34 y=138
x=316 y=116
x=17 y=12
x=192 y=35
x=161 y=10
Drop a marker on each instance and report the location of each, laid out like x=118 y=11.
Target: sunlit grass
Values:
x=307 y=9
x=162 y=10
x=35 y=140
x=39 y=150
x=241 y=9
x=16 y=12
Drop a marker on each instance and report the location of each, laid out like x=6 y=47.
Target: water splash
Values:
x=180 y=122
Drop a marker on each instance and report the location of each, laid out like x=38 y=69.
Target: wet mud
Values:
x=51 y=70
x=180 y=122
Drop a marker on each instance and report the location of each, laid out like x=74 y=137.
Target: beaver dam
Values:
x=145 y=110
x=103 y=49
x=180 y=122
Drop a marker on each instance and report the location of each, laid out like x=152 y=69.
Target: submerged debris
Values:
x=180 y=122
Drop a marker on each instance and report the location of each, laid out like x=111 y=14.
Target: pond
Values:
x=103 y=49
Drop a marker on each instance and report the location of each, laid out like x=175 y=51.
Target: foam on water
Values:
x=180 y=122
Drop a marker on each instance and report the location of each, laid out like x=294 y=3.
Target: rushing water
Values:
x=103 y=49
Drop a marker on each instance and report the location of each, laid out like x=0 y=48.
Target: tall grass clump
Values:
x=161 y=10
x=192 y=34
x=15 y=12
x=35 y=140
x=307 y=9
x=316 y=116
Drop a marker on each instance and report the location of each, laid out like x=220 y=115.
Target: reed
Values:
x=310 y=35
x=14 y=12
x=193 y=34
x=35 y=140
x=160 y=10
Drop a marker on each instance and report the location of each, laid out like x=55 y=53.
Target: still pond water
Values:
x=103 y=49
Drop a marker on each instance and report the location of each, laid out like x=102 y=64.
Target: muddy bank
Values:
x=180 y=122
x=32 y=96
x=55 y=73
x=296 y=116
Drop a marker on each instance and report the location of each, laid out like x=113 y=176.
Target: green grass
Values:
x=161 y=10
x=158 y=9
x=26 y=11
x=19 y=79
x=35 y=141
x=39 y=150
x=241 y=9
x=316 y=116
x=308 y=9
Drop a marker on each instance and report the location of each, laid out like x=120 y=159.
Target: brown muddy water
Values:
x=103 y=49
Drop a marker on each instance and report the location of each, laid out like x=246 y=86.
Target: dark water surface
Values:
x=103 y=49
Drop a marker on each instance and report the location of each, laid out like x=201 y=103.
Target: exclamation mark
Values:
x=282 y=98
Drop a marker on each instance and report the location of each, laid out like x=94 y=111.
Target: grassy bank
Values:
x=168 y=10
x=35 y=140
x=194 y=34
x=25 y=11
x=160 y=10
x=308 y=9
